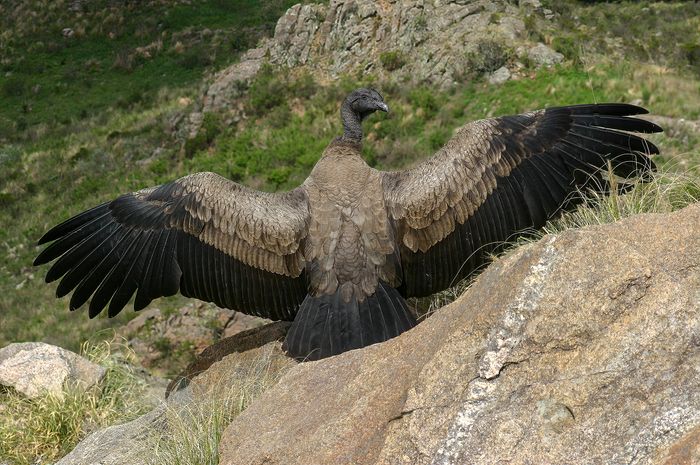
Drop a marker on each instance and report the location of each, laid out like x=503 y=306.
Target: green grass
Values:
x=278 y=148
x=51 y=80
x=48 y=427
x=663 y=33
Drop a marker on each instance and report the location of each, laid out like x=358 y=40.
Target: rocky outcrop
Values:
x=433 y=42
x=33 y=368
x=580 y=348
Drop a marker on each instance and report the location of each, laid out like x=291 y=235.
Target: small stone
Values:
x=33 y=368
x=542 y=55
x=500 y=76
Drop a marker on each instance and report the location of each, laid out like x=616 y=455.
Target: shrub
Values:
x=304 y=86
x=490 y=56
x=279 y=176
x=195 y=58
x=392 y=60
x=210 y=129
x=267 y=91
x=424 y=98
x=123 y=61
x=692 y=54
x=569 y=47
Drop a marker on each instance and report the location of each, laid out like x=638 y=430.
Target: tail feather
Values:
x=327 y=325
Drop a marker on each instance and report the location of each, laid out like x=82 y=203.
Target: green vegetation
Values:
x=490 y=56
x=392 y=60
x=118 y=53
x=663 y=33
x=49 y=426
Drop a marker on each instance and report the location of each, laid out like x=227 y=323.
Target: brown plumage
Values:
x=339 y=254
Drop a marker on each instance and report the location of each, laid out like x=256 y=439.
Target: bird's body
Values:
x=351 y=243
x=339 y=254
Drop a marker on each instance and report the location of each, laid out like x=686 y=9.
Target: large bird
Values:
x=339 y=254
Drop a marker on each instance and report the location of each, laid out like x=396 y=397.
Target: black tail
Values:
x=327 y=325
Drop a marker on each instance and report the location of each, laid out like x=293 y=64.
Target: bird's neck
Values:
x=352 y=124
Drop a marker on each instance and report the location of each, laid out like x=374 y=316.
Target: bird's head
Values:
x=364 y=102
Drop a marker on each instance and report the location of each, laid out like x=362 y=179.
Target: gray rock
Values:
x=580 y=348
x=512 y=28
x=439 y=39
x=130 y=443
x=232 y=81
x=542 y=55
x=500 y=76
x=35 y=367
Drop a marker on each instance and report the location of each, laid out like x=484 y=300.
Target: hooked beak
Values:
x=382 y=106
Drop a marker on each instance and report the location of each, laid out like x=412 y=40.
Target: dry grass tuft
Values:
x=194 y=431
x=46 y=428
x=666 y=191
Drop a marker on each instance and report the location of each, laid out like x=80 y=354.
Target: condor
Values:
x=339 y=255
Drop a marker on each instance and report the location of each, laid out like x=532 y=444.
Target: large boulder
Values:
x=542 y=55
x=581 y=348
x=34 y=368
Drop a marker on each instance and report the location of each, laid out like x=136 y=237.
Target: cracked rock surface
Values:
x=581 y=348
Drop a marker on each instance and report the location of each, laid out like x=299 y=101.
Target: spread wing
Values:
x=203 y=235
x=499 y=176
